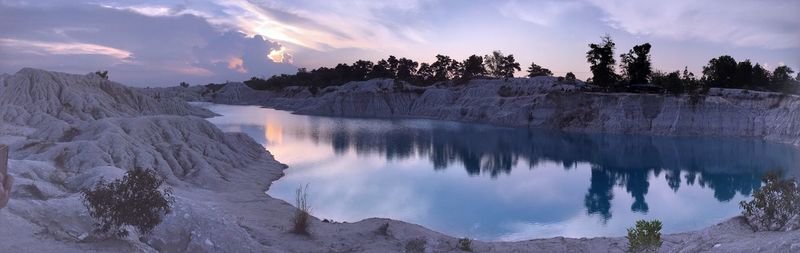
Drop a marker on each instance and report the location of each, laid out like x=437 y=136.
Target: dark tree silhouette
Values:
x=744 y=75
x=636 y=64
x=392 y=64
x=536 y=70
x=671 y=82
x=472 y=67
x=782 y=79
x=424 y=74
x=782 y=74
x=406 y=69
x=689 y=80
x=601 y=58
x=570 y=77
x=381 y=70
x=184 y=84
x=720 y=72
x=760 y=77
x=494 y=63
x=362 y=69
x=501 y=66
x=444 y=68
x=510 y=66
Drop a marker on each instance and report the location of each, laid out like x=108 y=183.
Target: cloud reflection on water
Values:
x=503 y=183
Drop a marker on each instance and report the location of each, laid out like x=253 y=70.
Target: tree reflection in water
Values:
x=617 y=160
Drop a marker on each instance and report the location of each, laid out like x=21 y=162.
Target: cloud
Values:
x=149 y=46
x=543 y=13
x=62 y=48
x=327 y=25
x=771 y=24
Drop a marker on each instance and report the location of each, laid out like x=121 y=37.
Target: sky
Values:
x=165 y=42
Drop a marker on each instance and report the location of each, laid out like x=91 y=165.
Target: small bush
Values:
x=134 y=200
x=464 y=244
x=416 y=245
x=570 y=78
x=774 y=204
x=645 y=237
x=505 y=91
x=383 y=230
x=102 y=74
x=301 y=217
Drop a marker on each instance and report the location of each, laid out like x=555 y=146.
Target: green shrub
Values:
x=301 y=218
x=645 y=237
x=134 y=200
x=774 y=204
x=464 y=244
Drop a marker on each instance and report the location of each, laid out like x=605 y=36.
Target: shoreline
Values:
x=219 y=181
x=616 y=241
x=540 y=103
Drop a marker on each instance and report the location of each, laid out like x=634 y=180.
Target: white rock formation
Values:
x=66 y=132
x=543 y=102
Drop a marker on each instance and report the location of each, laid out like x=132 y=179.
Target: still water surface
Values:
x=497 y=183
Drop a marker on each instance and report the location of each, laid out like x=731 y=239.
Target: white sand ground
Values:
x=67 y=131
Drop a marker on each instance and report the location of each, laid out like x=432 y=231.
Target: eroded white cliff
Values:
x=544 y=102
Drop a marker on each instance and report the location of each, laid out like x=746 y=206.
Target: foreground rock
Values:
x=103 y=129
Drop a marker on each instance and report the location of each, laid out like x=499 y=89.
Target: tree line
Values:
x=720 y=72
x=636 y=71
x=445 y=68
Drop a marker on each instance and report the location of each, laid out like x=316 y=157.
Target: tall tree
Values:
x=501 y=66
x=536 y=70
x=510 y=66
x=344 y=73
x=760 y=77
x=744 y=75
x=361 y=69
x=424 y=74
x=381 y=70
x=636 y=64
x=494 y=64
x=782 y=74
x=782 y=79
x=443 y=68
x=720 y=71
x=472 y=67
x=391 y=65
x=406 y=69
x=688 y=79
x=601 y=58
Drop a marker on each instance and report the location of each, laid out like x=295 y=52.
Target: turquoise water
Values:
x=497 y=183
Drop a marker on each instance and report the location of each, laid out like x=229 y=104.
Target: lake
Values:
x=499 y=183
